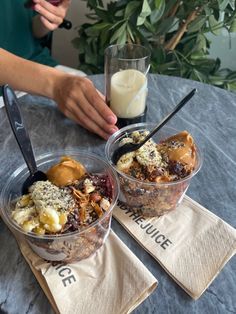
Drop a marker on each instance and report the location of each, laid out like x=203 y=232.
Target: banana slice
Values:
x=148 y=155
x=50 y=218
x=125 y=161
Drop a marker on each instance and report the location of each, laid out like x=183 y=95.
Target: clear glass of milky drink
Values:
x=126 y=86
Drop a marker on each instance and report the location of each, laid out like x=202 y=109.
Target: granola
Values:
x=156 y=175
x=69 y=205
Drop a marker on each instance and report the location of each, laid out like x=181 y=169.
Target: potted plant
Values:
x=174 y=31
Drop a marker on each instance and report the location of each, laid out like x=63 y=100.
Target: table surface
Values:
x=210 y=117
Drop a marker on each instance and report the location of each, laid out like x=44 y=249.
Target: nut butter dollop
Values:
x=65 y=172
x=180 y=148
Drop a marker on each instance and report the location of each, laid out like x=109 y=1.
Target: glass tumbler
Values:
x=126 y=85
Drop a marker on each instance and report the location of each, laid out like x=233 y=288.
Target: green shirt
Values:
x=16 y=33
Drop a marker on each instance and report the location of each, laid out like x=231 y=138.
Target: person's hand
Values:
x=79 y=100
x=51 y=16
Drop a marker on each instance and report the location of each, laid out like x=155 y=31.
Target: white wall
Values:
x=64 y=52
x=62 y=49
x=220 y=47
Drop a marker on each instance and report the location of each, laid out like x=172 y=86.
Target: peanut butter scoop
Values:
x=65 y=172
x=180 y=148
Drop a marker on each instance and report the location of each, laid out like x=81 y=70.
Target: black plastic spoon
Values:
x=130 y=147
x=22 y=138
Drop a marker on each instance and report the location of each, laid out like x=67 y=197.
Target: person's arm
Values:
x=26 y=75
x=49 y=17
x=76 y=96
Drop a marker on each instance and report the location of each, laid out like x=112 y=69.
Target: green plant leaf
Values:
x=204 y=65
x=158 y=55
x=146 y=11
x=102 y=26
x=150 y=27
x=190 y=46
x=120 y=13
x=166 y=25
x=197 y=76
x=82 y=43
x=216 y=13
x=104 y=37
x=223 y=4
x=150 y=23
x=231 y=86
x=102 y=14
x=97 y=28
x=131 y=35
x=216 y=80
x=140 y=20
x=167 y=67
x=117 y=24
x=76 y=42
x=118 y=33
x=231 y=75
x=89 y=56
x=197 y=55
x=131 y=8
x=201 y=42
x=122 y=39
x=208 y=10
x=157 y=13
x=159 y=3
x=232 y=4
x=232 y=28
x=214 y=25
x=197 y=24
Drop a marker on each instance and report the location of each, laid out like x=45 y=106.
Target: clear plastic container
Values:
x=69 y=247
x=149 y=198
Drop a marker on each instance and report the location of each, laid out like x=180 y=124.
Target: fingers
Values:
x=77 y=114
x=91 y=119
x=91 y=115
x=52 y=16
x=50 y=26
x=58 y=9
x=79 y=100
x=95 y=102
x=49 y=14
x=100 y=94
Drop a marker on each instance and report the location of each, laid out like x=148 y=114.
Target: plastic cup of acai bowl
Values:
x=149 y=198
x=73 y=246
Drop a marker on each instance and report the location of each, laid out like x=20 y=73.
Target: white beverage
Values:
x=128 y=93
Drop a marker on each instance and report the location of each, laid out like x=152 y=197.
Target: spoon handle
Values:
x=170 y=115
x=18 y=127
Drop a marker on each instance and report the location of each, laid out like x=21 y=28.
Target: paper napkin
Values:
x=191 y=243
x=113 y=280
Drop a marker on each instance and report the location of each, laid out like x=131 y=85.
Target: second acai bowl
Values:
x=154 y=178
x=67 y=217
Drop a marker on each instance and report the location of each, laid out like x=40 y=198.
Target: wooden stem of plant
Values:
x=138 y=41
x=173 y=10
x=173 y=42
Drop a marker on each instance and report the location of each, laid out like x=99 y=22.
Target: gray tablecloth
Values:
x=210 y=117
